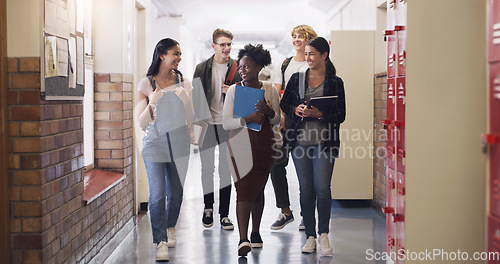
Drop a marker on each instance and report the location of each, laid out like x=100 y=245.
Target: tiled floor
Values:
x=353 y=230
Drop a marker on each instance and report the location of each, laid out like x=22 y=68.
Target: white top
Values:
x=292 y=68
x=216 y=105
x=229 y=122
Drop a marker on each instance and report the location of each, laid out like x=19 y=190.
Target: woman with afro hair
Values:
x=251 y=152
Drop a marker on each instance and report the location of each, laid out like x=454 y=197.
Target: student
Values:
x=315 y=141
x=216 y=74
x=164 y=109
x=250 y=183
x=300 y=35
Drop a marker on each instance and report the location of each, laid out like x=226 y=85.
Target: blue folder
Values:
x=245 y=99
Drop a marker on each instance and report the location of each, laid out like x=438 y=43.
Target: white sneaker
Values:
x=324 y=244
x=172 y=240
x=310 y=245
x=162 y=251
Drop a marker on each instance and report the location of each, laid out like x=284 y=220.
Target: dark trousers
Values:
x=215 y=136
x=279 y=180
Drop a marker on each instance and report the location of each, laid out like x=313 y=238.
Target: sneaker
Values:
x=162 y=251
x=324 y=244
x=226 y=223
x=256 y=240
x=172 y=241
x=282 y=221
x=244 y=247
x=302 y=227
x=310 y=245
x=208 y=218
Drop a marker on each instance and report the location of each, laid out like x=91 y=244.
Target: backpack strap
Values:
x=284 y=65
x=232 y=73
x=302 y=85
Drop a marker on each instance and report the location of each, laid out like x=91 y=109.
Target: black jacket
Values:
x=204 y=72
x=333 y=117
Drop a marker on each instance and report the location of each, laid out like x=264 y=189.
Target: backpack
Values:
x=284 y=65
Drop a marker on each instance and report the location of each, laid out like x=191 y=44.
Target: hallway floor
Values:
x=354 y=229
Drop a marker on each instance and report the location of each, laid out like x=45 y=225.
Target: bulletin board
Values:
x=62 y=61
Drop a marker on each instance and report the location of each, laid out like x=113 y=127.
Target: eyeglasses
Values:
x=224 y=45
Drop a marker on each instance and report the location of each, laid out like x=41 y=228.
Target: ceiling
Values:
x=257 y=21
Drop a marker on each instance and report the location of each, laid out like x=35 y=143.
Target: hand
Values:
x=224 y=88
x=312 y=112
x=156 y=96
x=255 y=117
x=299 y=111
x=282 y=123
x=263 y=108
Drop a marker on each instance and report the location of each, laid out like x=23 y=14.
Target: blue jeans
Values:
x=314 y=168
x=165 y=179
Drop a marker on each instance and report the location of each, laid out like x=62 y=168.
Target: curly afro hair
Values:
x=260 y=55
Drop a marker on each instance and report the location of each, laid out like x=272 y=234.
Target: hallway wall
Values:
x=49 y=223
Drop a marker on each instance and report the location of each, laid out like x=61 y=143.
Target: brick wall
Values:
x=49 y=223
x=380 y=113
x=113 y=122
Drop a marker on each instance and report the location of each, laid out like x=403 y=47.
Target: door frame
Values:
x=4 y=143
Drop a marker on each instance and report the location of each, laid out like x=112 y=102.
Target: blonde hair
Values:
x=306 y=30
x=221 y=33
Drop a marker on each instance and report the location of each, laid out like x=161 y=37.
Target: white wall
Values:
x=446 y=113
x=355 y=15
x=23 y=28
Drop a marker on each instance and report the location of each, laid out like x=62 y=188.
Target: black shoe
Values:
x=244 y=247
x=256 y=240
x=208 y=218
x=282 y=221
x=226 y=224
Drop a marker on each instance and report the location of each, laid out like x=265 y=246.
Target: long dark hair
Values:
x=162 y=47
x=321 y=45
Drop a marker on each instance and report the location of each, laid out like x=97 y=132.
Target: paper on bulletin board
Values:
x=50 y=18
x=79 y=61
x=62 y=57
x=72 y=16
x=72 y=62
x=50 y=57
x=62 y=22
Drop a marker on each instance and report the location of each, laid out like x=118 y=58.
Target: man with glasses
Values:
x=216 y=73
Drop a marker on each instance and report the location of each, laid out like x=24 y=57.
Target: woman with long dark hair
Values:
x=254 y=147
x=164 y=110
x=314 y=138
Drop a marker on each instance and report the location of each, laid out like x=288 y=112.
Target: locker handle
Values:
x=398 y=218
x=386 y=122
x=396 y=123
x=490 y=139
x=388 y=32
x=399 y=28
x=387 y=210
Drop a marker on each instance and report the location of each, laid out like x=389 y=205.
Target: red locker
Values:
x=493 y=30
x=493 y=236
x=389 y=210
x=401 y=56
x=493 y=139
x=389 y=123
x=399 y=217
x=401 y=12
x=390 y=37
x=391 y=14
x=401 y=123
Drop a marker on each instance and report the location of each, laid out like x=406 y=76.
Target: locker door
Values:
x=389 y=123
x=391 y=14
x=401 y=123
x=401 y=56
x=401 y=12
x=390 y=37
x=493 y=236
x=493 y=138
x=389 y=210
x=494 y=30
x=399 y=217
